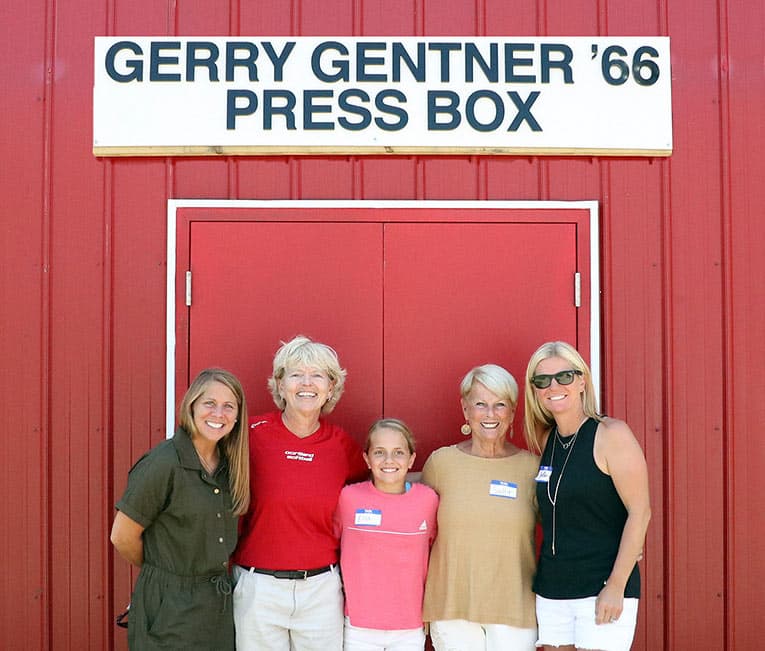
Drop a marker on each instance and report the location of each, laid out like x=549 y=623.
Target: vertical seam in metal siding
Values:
x=234 y=18
x=357 y=174
x=602 y=13
x=108 y=372
x=727 y=325
x=45 y=308
x=172 y=17
x=606 y=287
x=668 y=320
x=107 y=375
x=542 y=17
x=665 y=235
x=482 y=172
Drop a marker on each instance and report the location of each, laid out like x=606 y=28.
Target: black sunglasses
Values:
x=561 y=377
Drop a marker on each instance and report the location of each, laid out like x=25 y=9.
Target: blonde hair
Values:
x=235 y=445
x=395 y=424
x=495 y=378
x=538 y=420
x=301 y=350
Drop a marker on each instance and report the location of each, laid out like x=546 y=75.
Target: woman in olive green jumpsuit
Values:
x=177 y=521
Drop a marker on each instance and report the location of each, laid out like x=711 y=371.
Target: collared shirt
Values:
x=295 y=483
x=189 y=526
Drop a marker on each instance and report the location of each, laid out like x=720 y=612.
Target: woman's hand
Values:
x=609 y=604
x=127 y=538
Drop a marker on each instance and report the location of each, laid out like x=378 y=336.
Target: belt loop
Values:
x=250 y=570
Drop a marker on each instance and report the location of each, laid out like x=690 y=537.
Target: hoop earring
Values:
x=466 y=429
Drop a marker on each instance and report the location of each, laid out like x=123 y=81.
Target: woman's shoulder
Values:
x=617 y=449
x=614 y=438
x=442 y=454
x=164 y=454
x=438 y=467
x=153 y=472
x=526 y=457
x=613 y=429
x=446 y=450
x=521 y=463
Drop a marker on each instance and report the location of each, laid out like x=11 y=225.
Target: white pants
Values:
x=273 y=614
x=374 y=639
x=462 y=635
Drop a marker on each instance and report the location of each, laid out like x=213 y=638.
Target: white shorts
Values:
x=460 y=634
x=572 y=621
x=273 y=614
x=357 y=638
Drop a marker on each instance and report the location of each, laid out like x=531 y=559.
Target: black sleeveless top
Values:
x=589 y=519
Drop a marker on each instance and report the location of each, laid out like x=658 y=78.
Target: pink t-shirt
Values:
x=384 y=547
x=294 y=486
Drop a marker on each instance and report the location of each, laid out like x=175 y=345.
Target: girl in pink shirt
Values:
x=386 y=527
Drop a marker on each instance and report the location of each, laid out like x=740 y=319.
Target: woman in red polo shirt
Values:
x=288 y=593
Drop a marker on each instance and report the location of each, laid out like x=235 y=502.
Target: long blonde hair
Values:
x=537 y=420
x=235 y=445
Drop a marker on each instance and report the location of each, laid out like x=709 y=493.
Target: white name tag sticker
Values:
x=503 y=489
x=544 y=474
x=368 y=517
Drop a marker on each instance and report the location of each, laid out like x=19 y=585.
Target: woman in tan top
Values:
x=478 y=593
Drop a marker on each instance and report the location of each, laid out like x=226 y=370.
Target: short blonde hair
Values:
x=301 y=350
x=495 y=378
x=537 y=419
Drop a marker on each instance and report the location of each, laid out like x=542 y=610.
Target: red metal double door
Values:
x=411 y=299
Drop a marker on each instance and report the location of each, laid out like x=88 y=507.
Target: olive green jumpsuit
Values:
x=182 y=597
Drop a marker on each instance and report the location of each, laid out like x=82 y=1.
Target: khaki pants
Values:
x=273 y=614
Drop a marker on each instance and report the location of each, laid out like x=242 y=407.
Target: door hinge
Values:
x=577 y=289
x=188 y=289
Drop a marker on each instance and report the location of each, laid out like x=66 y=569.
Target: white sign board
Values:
x=280 y=95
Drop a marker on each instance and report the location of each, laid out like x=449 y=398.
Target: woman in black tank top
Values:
x=592 y=490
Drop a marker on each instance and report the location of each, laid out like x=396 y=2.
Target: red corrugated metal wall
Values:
x=82 y=287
